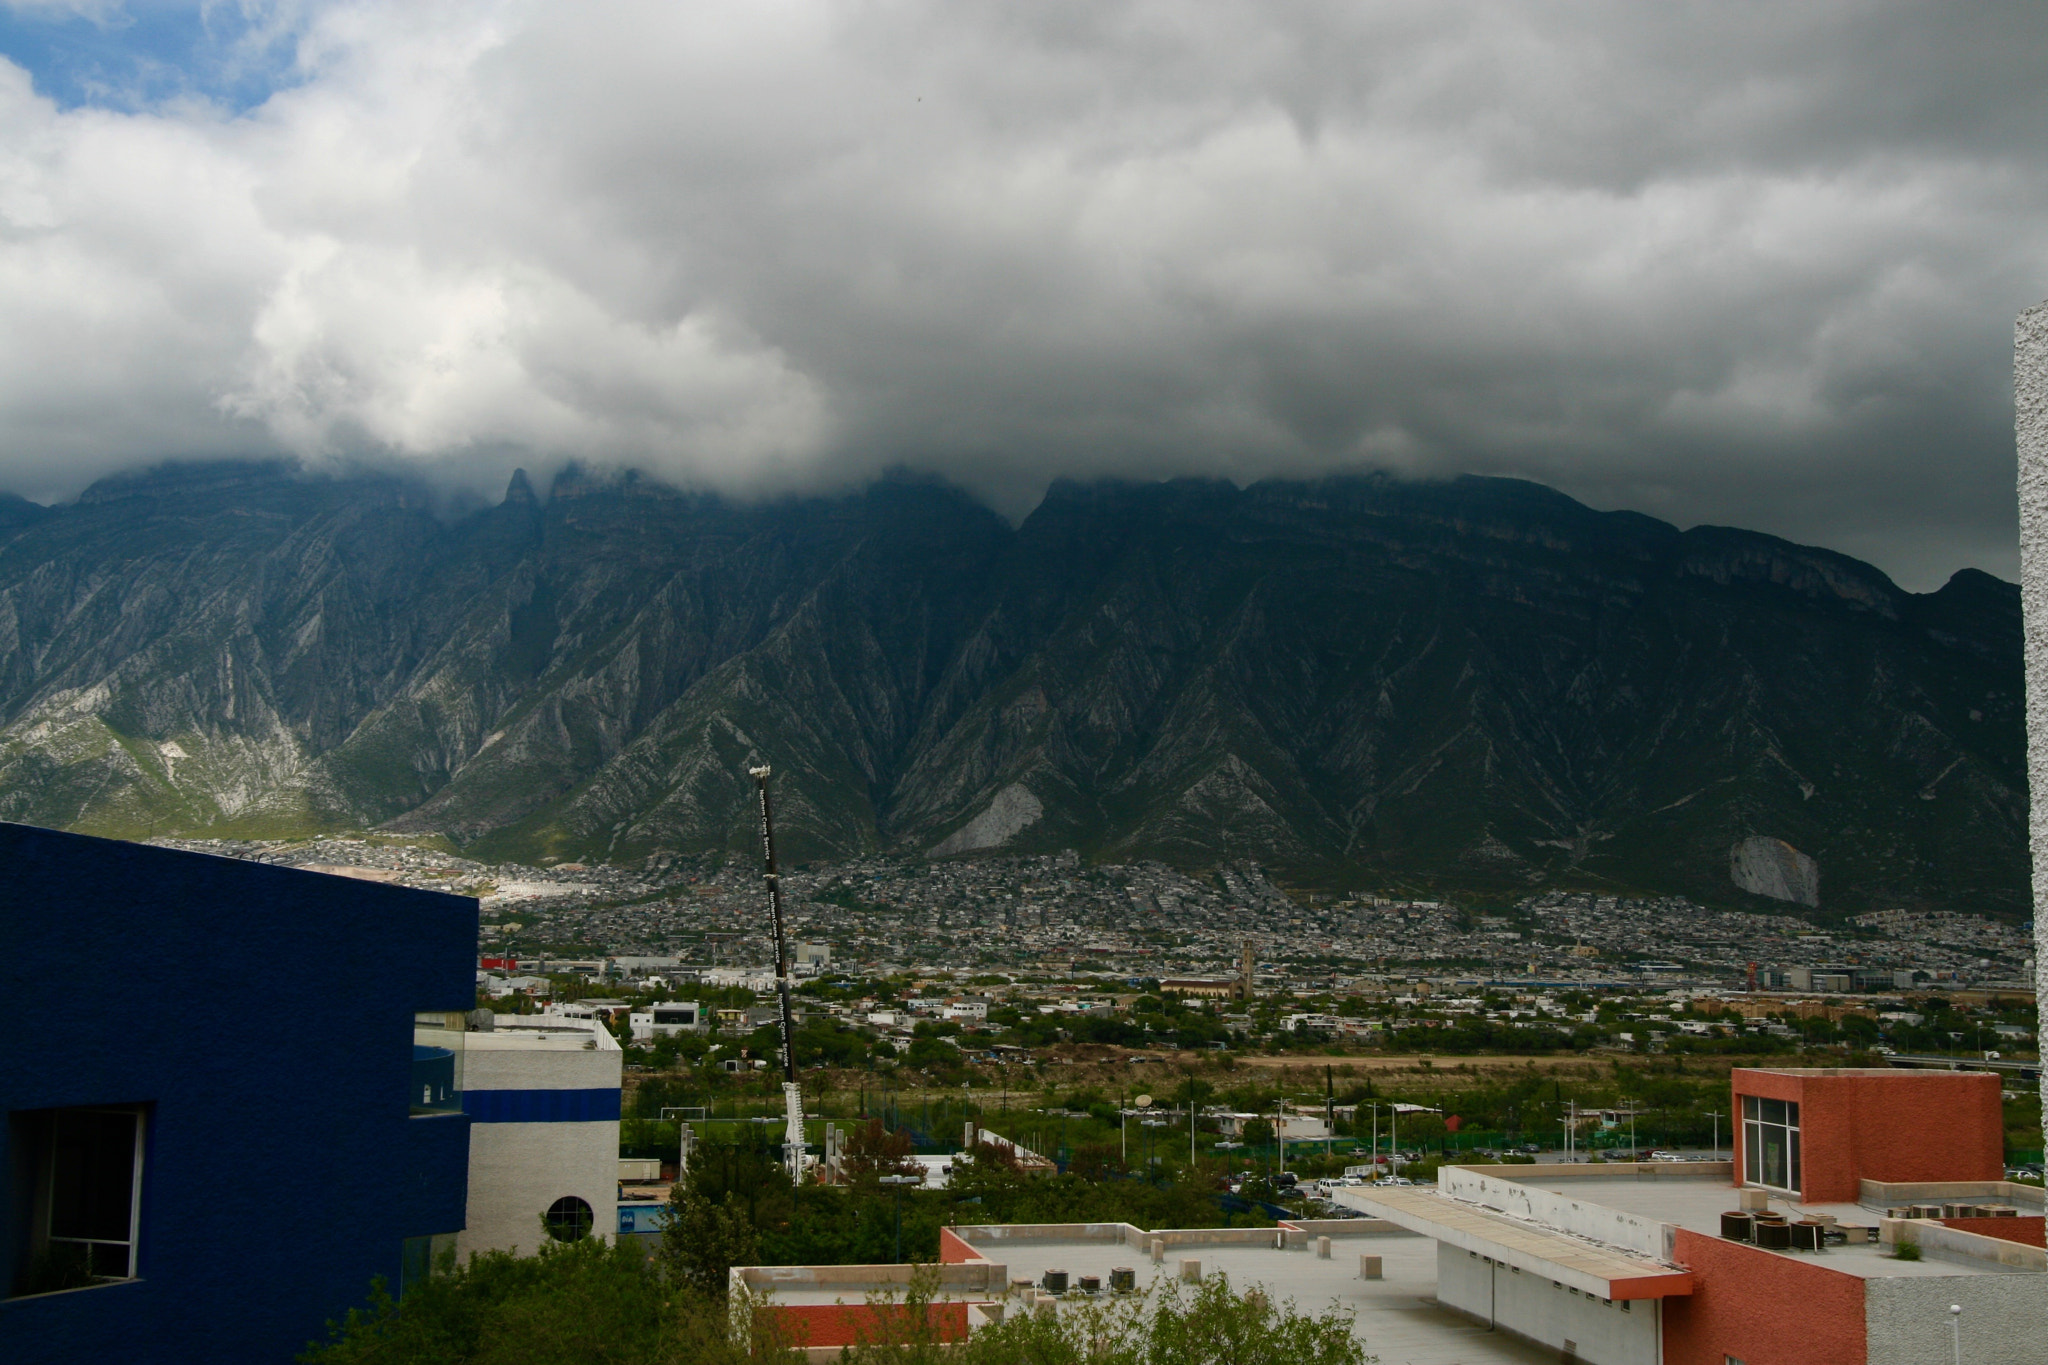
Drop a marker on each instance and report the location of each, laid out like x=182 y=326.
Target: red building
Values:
x=1818 y=1134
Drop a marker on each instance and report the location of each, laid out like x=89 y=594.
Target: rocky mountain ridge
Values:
x=1358 y=680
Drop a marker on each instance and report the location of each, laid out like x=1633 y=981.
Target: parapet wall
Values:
x=1502 y=1188
x=1882 y=1194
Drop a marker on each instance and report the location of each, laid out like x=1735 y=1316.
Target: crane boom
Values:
x=792 y=1094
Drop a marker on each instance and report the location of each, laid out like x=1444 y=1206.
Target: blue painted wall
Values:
x=266 y=1014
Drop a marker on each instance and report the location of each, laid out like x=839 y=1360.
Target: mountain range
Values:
x=1361 y=682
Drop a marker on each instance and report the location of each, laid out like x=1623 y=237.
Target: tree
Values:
x=1258 y=1132
x=1423 y=1129
x=702 y=1241
x=1169 y=1325
x=873 y=1151
x=576 y=1303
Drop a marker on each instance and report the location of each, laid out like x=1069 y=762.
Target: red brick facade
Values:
x=1750 y=1304
x=1883 y=1125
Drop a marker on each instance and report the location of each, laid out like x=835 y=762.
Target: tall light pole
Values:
x=896 y=1184
x=1715 y=1115
x=792 y=1096
x=1955 y=1332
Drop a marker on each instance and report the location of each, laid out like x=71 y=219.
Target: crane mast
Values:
x=792 y=1094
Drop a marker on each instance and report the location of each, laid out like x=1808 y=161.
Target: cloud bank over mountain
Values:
x=1752 y=264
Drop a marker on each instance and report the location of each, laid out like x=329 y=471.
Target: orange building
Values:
x=1818 y=1134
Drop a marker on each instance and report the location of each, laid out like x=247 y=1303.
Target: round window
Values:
x=569 y=1219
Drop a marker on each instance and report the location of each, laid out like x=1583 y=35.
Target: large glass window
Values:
x=437 y=1047
x=85 y=1195
x=1770 y=1137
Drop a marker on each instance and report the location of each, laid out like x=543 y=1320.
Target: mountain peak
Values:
x=519 y=493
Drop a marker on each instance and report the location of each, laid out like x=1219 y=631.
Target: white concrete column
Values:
x=2030 y=428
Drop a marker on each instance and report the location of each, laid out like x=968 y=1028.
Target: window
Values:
x=569 y=1219
x=438 y=1041
x=1770 y=1136
x=84 y=1177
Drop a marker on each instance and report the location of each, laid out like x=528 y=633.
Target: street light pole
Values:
x=1955 y=1332
x=896 y=1184
x=1715 y=1115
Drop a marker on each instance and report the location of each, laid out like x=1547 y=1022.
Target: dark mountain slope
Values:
x=1480 y=681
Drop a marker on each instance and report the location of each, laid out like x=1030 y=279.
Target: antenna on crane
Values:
x=792 y=1094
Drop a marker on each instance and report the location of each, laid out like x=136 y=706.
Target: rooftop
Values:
x=1586 y=1265
x=1697 y=1206
x=1607 y=1222
x=1396 y=1316
x=558 y=1034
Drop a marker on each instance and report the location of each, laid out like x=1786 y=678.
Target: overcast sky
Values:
x=1753 y=264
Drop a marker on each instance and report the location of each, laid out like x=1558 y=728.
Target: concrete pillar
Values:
x=1368 y=1267
x=1158 y=1250
x=2030 y=427
x=1191 y=1271
x=1322 y=1248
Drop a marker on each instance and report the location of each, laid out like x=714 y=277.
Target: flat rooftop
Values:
x=1696 y=1204
x=1396 y=1316
x=566 y=1036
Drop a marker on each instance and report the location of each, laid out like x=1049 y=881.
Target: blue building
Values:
x=194 y=1044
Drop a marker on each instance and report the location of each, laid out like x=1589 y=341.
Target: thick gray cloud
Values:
x=1745 y=263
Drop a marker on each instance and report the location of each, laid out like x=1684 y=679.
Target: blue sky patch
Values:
x=145 y=53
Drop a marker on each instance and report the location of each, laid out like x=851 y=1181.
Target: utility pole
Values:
x=792 y=1095
x=1715 y=1115
x=1329 y=1113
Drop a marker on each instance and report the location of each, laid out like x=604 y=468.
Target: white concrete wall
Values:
x=2030 y=427
x=516 y=1170
x=1535 y=1307
x=1585 y=1217
x=521 y=1065
x=2005 y=1319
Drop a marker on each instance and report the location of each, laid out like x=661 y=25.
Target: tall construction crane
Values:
x=792 y=1094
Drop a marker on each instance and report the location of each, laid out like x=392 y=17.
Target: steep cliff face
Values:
x=1479 y=680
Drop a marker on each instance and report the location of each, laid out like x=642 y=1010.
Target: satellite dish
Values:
x=1143 y=1101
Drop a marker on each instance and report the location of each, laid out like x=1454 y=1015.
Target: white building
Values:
x=542 y=1093
x=666 y=1020
x=967 y=1007
x=759 y=980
